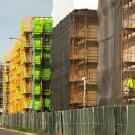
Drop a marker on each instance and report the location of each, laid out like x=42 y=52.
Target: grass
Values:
x=29 y=131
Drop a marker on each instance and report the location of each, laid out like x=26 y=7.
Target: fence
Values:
x=113 y=120
x=0 y=119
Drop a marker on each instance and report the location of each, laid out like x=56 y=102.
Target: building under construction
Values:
x=128 y=49
x=1 y=88
x=117 y=51
x=30 y=73
x=74 y=57
x=6 y=85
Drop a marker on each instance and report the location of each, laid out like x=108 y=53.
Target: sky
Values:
x=62 y=7
x=11 y=13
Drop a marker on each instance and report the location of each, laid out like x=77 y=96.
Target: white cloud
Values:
x=90 y=4
x=61 y=8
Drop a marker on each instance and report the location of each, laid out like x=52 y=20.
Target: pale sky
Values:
x=61 y=8
x=12 y=11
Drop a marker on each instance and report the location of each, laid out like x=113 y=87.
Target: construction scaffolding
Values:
x=42 y=63
x=26 y=66
x=1 y=87
x=117 y=52
x=20 y=75
x=30 y=72
x=74 y=57
x=84 y=58
x=6 y=85
x=128 y=48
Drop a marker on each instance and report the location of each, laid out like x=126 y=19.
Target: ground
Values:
x=7 y=132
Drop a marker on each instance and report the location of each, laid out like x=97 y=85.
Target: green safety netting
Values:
x=41 y=25
x=48 y=25
x=47 y=93
x=47 y=56
x=48 y=43
x=48 y=103
x=37 y=89
x=46 y=74
x=38 y=25
x=37 y=36
x=47 y=49
x=47 y=52
x=37 y=103
x=38 y=58
x=37 y=43
x=36 y=108
x=37 y=74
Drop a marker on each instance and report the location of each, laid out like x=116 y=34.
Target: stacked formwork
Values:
x=1 y=88
x=74 y=57
x=128 y=47
x=29 y=70
x=6 y=85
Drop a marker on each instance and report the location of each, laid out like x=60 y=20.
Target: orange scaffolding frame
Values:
x=128 y=46
x=84 y=60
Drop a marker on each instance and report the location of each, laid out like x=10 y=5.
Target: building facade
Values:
x=30 y=72
x=74 y=57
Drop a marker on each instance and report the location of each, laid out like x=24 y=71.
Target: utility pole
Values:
x=84 y=91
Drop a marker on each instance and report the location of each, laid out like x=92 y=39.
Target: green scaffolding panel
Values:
x=47 y=52
x=46 y=74
x=38 y=25
x=37 y=103
x=37 y=89
x=48 y=25
x=47 y=93
x=37 y=43
x=47 y=49
x=37 y=59
x=41 y=26
x=47 y=103
x=47 y=56
x=37 y=74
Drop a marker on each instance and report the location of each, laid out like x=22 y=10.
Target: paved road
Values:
x=5 y=132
